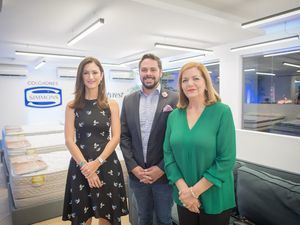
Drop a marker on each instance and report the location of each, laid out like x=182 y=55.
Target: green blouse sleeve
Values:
x=226 y=151
x=172 y=171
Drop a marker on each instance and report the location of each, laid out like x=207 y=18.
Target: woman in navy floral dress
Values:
x=95 y=184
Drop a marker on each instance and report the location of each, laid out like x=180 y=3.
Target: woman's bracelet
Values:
x=81 y=164
x=193 y=193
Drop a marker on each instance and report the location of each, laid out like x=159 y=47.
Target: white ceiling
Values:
x=131 y=26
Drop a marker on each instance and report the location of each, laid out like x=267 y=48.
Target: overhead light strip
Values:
x=186 y=58
x=249 y=70
x=276 y=41
x=267 y=74
x=181 y=48
x=211 y=63
x=282 y=53
x=271 y=18
x=50 y=55
x=94 y=26
x=40 y=64
x=291 y=64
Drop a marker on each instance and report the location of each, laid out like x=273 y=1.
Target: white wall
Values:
x=118 y=88
x=276 y=151
x=14 y=112
x=11 y=101
x=230 y=83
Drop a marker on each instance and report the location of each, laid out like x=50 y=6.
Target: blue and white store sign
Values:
x=43 y=97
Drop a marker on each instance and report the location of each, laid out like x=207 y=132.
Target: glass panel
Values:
x=214 y=75
x=169 y=80
x=272 y=94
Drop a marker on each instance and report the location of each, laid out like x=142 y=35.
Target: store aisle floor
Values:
x=58 y=221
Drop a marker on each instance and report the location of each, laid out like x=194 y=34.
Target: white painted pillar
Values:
x=231 y=82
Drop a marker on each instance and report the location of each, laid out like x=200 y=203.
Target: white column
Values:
x=231 y=82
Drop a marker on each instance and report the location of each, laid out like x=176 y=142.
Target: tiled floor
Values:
x=58 y=221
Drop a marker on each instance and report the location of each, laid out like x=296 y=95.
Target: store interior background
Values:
x=131 y=28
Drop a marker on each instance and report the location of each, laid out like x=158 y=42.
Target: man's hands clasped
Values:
x=149 y=175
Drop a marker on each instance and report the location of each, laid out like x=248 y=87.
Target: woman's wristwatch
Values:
x=101 y=161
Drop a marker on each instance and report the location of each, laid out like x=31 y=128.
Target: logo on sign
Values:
x=43 y=97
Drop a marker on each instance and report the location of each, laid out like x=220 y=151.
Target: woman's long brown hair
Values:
x=78 y=102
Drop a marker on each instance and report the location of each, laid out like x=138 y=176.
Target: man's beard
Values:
x=150 y=86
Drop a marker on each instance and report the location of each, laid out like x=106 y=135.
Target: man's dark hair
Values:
x=151 y=56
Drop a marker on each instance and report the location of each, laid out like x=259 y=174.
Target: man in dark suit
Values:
x=143 y=123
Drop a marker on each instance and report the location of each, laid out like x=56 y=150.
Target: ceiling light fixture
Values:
x=211 y=64
x=282 y=53
x=267 y=74
x=40 y=64
x=298 y=71
x=50 y=55
x=271 y=18
x=275 y=41
x=186 y=58
x=94 y=26
x=297 y=81
x=291 y=64
x=249 y=70
x=181 y=48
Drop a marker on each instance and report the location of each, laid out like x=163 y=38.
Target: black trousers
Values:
x=187 y=217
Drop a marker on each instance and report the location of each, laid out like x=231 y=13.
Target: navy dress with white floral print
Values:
x=82 y=202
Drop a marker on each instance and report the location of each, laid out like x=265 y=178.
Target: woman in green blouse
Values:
x=199 y=151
